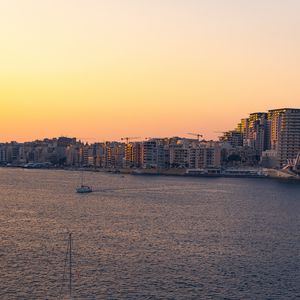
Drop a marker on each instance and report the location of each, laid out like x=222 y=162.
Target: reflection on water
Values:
x=142 y=237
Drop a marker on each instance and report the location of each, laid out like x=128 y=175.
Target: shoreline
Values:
x=269 y=173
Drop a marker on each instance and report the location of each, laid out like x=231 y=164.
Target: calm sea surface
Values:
x=142 y=237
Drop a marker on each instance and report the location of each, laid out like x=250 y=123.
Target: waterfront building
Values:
x=12 y=152
x=108 y=159
x=233 y=137
x=2 y=154
x=254 y=132
x=179 y=155
x=128 y=159
x=73 y=155
x=257 y=132
x=278 y=130
x=155 y=153
x=150 y=154
x=285 y=133
x=114 y=154
x=133 y=155
x=83 y=154
x=243 y=128
x=99 y=154
x=195 y=155
x=212 y=154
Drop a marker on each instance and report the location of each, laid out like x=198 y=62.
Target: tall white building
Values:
x=285 y=133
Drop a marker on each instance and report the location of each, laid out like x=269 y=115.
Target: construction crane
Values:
x=198 y=135
x=127 y=138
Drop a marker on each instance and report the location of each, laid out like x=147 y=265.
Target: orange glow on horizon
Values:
x=107 y=69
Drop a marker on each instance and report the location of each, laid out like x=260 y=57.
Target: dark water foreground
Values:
x=149 y=237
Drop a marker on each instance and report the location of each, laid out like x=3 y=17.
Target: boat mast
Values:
x=70 y=269
x=68 y=259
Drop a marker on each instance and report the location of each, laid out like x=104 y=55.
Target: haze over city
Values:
x=107 y=69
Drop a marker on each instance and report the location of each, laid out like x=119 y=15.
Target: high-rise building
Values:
x=2 y=154
x=149 y=154
x=278 y=131
x=233 y=137
x=133 y=155
x=285 y=133
x=257 y=132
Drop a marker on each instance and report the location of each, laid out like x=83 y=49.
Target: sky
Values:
x=102 y=70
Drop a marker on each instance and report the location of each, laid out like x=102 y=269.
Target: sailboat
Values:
x=83 y=188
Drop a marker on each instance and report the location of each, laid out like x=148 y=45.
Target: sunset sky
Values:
x=105 y=69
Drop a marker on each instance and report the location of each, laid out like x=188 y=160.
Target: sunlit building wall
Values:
x=285 y=133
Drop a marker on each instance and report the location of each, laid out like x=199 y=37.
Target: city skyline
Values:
x=144 y=68
x=270 y=139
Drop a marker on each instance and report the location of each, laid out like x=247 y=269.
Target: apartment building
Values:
x=285 y=133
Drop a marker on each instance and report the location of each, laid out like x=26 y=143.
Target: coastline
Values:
x=266 y=174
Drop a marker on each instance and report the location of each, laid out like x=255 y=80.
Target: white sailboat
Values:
x=83 y=188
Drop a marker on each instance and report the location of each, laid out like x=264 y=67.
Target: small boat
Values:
x=83 y=189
